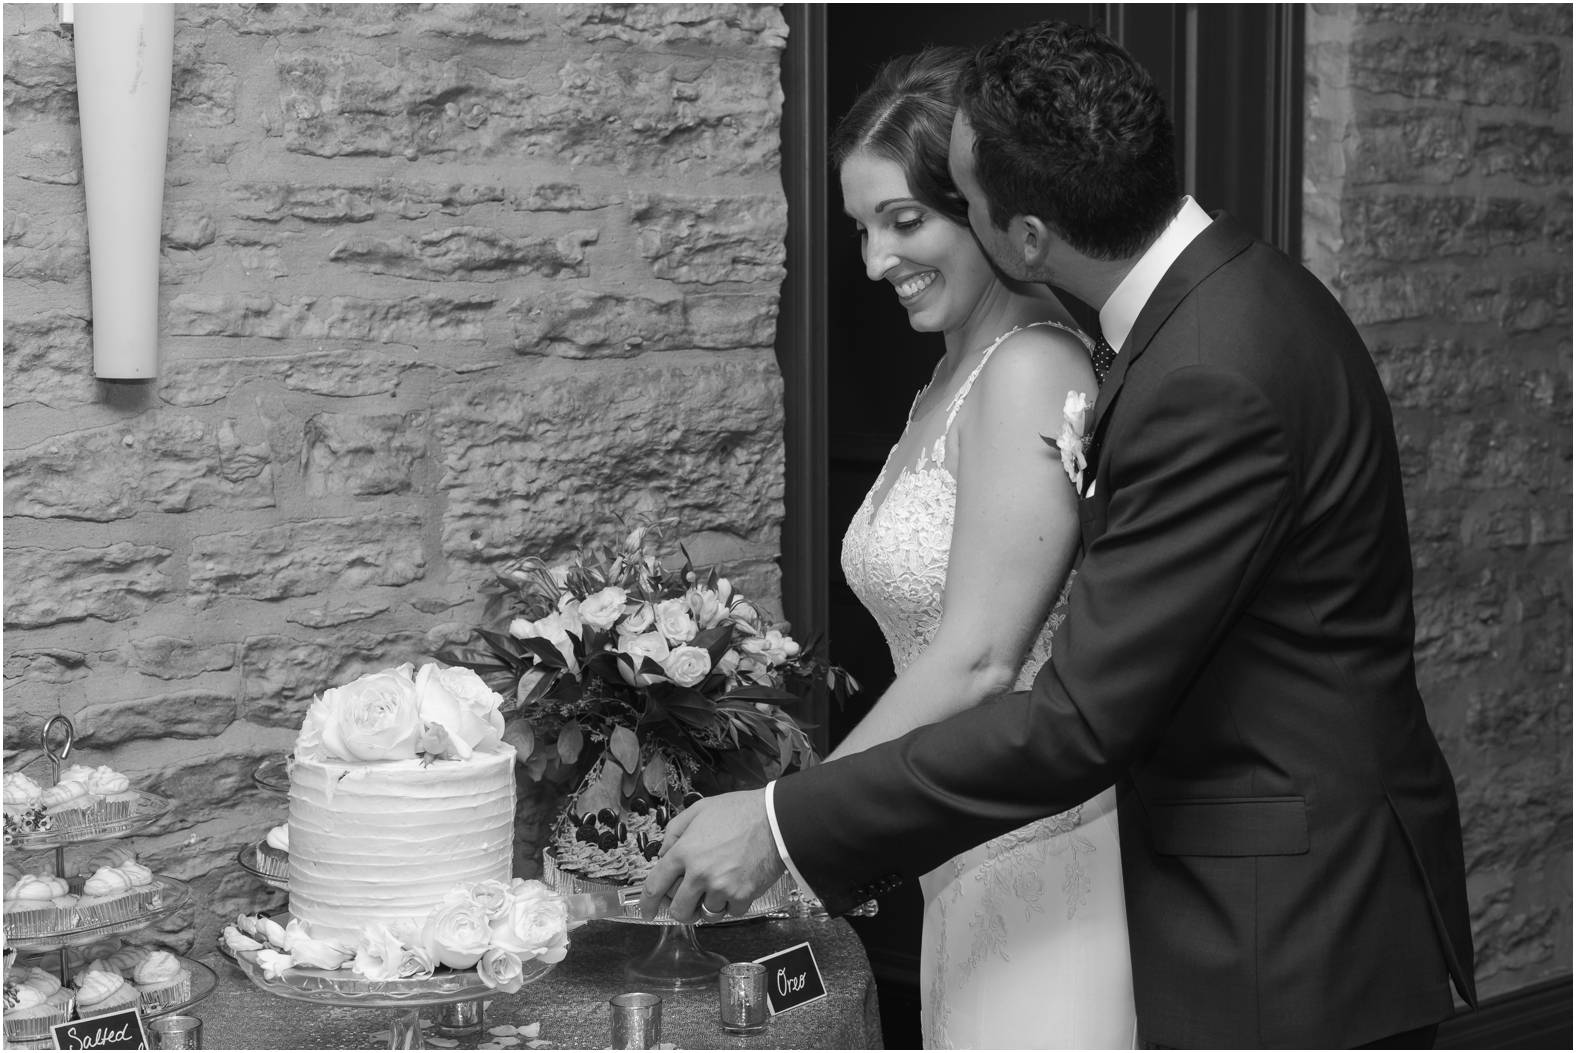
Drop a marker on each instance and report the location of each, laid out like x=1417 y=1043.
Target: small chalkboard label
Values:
x=121 y=1029
x=792 y=979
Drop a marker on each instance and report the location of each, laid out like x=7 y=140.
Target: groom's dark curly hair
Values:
x=1070 y=129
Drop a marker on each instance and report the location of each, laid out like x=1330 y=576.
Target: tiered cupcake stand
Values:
x=458 y=994
x=34 y=947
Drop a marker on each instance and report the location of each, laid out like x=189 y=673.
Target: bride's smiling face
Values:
x=935 y=267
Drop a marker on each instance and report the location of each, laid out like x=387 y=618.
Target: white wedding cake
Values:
x=401 y=788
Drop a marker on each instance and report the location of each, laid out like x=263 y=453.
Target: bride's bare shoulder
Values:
x=1038 y=355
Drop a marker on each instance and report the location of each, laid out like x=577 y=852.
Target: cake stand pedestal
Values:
x=407 y=998
x=676 y=963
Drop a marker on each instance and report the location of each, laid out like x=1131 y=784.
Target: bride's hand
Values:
x=718 y=855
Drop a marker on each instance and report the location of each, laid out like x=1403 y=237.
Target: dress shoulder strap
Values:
x=963 y=390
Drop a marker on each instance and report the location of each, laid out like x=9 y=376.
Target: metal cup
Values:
x=175 y=1032
x=636 y=1020
x=741 y=998
x=459 y=1018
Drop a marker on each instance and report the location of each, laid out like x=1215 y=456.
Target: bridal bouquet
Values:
x=642 y=687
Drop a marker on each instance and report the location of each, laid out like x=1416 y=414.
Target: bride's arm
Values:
x=1014 y=537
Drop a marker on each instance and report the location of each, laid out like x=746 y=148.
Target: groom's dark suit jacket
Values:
x=1237 y=660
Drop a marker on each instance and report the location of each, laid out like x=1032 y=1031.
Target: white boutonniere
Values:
x=1073 y=442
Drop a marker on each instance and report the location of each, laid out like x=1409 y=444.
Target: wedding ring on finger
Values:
x=707 y=914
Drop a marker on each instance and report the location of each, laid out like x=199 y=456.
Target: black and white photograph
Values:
x=540 y=526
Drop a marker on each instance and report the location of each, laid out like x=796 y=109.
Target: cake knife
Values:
x=590 y=906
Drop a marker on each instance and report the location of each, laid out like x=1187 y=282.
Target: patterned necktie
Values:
x=1102 y=356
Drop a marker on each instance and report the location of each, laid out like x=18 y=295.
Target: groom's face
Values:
x=996 y=242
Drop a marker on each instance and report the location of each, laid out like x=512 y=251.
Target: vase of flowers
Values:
x=638 y=687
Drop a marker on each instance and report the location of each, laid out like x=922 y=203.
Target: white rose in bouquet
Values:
x=675 y=621
x=708 y=607
x=569 y=615
x=601 y=609
x=687 y=666
x=374 y=717
x=551 y=628
x=634 y=648
x=772 y=646
x=462 y=702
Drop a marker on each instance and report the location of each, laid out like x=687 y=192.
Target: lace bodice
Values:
x=1024 y=943
x=895 y=555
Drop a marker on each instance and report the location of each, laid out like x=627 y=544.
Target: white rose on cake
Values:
x=457 y=933
x=374 y=717
x=462 y=702
x=535 y=924
x=491 y=896
x=501 y=970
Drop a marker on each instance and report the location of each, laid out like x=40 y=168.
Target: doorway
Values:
x=1232 y=75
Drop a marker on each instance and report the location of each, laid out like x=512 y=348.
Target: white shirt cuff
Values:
x=777 y=835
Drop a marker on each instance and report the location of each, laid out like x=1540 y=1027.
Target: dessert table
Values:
x=571 y=1003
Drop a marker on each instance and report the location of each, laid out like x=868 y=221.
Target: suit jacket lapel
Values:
x=1220 y=241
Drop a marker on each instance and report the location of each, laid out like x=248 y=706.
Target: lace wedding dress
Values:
x=1025 y=936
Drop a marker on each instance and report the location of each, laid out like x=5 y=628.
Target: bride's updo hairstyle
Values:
x=905 y=116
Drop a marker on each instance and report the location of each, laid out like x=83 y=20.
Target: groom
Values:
x=1237 y=655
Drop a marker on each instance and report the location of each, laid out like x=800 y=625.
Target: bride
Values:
x=961 y=551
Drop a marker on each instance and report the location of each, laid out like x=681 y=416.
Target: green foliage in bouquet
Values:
x=620 y=675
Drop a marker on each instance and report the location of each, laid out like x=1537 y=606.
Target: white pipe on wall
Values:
x=124 y=54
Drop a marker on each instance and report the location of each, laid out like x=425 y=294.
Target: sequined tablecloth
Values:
x=570 y=1003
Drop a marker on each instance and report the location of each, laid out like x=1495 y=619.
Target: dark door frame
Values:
x=802 y=335
x=1234 y=74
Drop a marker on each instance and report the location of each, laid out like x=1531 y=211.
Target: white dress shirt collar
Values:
x=1120 y=311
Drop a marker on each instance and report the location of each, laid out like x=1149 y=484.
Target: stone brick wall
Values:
x=1438 y=207
x=441 y=284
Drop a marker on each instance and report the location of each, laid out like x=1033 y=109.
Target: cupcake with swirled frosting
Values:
x=119 y=893
x=113 y=793
x=34 y=1002
x=126 y=959
x=68 y=803
x=30 y=907
x=162 y=980
x=20 y=792
x=103 y=992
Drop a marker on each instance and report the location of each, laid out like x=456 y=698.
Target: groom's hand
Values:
x=718 y=854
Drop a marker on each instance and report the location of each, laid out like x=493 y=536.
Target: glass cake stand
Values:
x=407 y=997
x=677 y=962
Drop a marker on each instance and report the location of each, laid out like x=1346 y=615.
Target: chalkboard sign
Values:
x=793 y=979
x=121 y=1029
